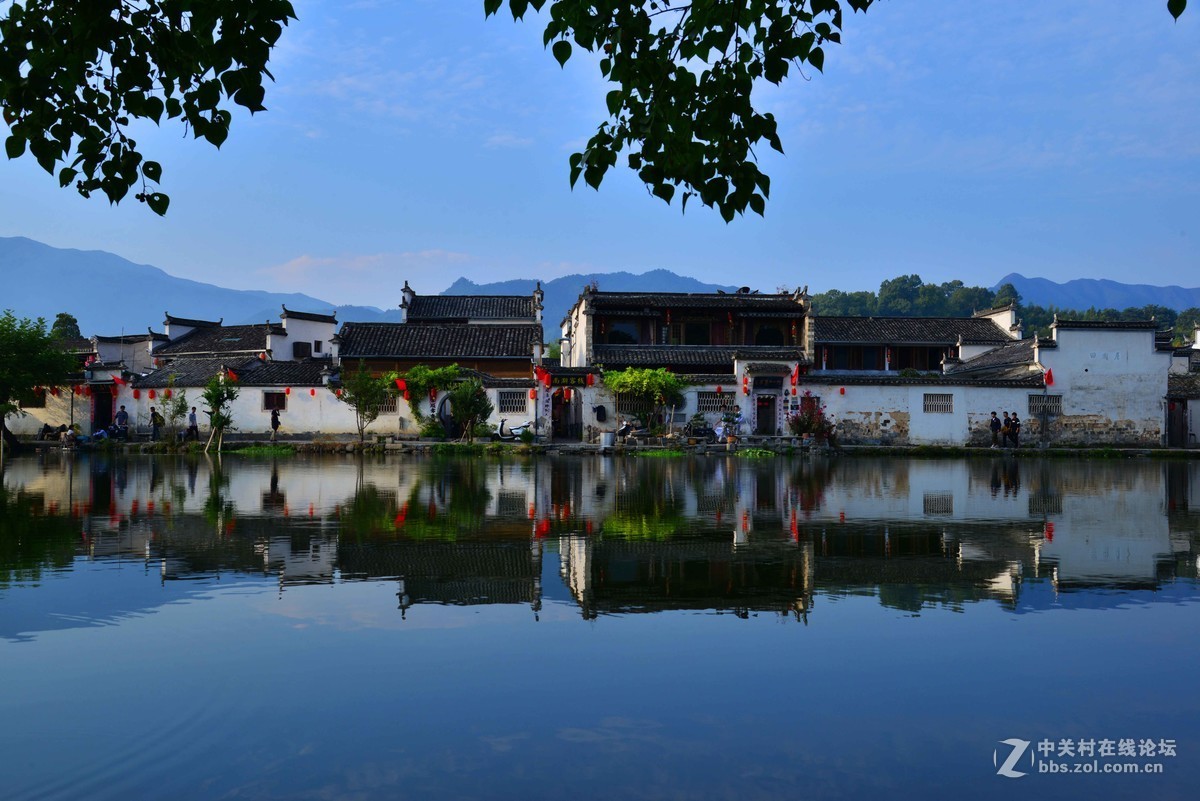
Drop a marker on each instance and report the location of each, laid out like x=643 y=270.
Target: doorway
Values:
x=1177 y=423
x=102 y=407
x=764 y=415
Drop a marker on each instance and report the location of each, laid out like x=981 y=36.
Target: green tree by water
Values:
x=365 y=394
x=29 y=357
x=218 y=395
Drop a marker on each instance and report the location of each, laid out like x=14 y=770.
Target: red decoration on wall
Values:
x=262 y=357
x=117 y=380
x=339 y=394
x=1049 y=377
x=137 y=393
x=401 y=384
x=166 y=393
x=432 y=395
x=313 y=392
x=54 y=391
x=533 y=394
x=720 y=389
x=566 y=394
x=591 y=379
x=841 y=390
x=287 y=390
x=152 y=395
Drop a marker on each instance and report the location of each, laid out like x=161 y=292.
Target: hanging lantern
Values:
x=262 y=357
x=668 y=316
x=432 y=395
x=591 y=379
x=339 y=394
x=888 y=354
x=313 y=392
x=720 y=389
x=287 y=390
x=87 y=390
x=567 y=395
x=407 y=395
x=137 y=393
x=54 y=391
x=167 y=393
x=75 y=389
x=401 y=384
x=841 y=390
x=152 y=395
x=533 y=394
x=729 y=316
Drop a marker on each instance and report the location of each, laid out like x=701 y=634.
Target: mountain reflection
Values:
x=618 y=535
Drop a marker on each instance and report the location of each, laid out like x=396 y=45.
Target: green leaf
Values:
x=614 y=100
x=518 y=8
x=14 y=146
x=562 y=51
x=158 y=203
x=665 y=191
x=817 y=58
x=152 y=170
x=66 y=175
x=1176 y=7
x=490 y=7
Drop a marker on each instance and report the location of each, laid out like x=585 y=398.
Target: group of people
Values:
x=1007 y=431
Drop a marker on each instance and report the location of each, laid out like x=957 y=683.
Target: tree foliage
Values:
x=365 y=394
x=65 y=327
x=652 y=391
x=420 y=379
x=29 y=357
x=73 y=77
x=218 y=395
x=469 y=405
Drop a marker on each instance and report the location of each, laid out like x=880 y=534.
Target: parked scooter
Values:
x=511 y=434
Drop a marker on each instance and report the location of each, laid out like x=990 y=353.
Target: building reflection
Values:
x=626 y=535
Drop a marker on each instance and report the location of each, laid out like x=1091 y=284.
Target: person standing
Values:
x=1014 y=430
x=1005 y=429
x=121 y=422
x=156 y=424
x=994 y=424
x=193 y=429
x=274 y=424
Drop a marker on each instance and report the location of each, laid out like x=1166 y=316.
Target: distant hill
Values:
x=1085 y=293
x=110 y=295
x=561 y=293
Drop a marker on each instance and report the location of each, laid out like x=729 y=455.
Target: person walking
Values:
x=274 y=424
x=994 y=424
x=156 y=424
x=1014 y=430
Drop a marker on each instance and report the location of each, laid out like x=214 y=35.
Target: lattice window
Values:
x=712 y=403
x=391 y=405
x=939 y=403
x=632 y=406
x=512 y=401
x=939 y=503
x=1048 y=404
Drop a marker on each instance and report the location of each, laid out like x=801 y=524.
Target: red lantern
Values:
x=287 y=390
x=567 y=394
x=137 y=393
x=339 y=394
x=432 y=395
x=75 y=389
x=167 y=393
x=407 y=395
x=87 y=390
x=720 y=389
x=313 y=392
x=262 y=357
x=591 y=379
x=54 y=391
x=152 y=395
x=533 y=394
x=841 y=390
x=401 y=384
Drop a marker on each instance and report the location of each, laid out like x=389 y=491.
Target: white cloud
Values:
x=367 y=279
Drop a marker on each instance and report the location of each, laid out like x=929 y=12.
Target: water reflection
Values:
x=616 y=536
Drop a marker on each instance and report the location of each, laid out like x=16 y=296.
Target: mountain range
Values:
x=110 y=295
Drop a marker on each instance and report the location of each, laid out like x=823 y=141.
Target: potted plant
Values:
x=810 y=422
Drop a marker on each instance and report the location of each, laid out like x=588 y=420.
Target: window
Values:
x=712 y=403
x=697 y=333
x=631 y=406
x=1045 y=404
x=512 y=401
x=769 y=335
x=622 y=333
x=316 y=346
x=810 y=404
x=301 y=350
x=390 y=405
x=274 y=400
x=938 y=503
x=936 y=403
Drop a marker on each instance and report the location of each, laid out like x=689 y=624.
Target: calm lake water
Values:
x=594 y=628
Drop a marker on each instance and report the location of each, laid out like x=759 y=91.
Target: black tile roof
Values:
x=662 y=301
x=431 y=341
x=906 y=330
x=292 y=314
x=689 y=355
x=1116 y=325
x=472 y=307
x=250 y=373
x=1001 y=379
x=1013 y=354
x=184 y=321
x=227 y=339
x=1183 y=385
x=125 y=339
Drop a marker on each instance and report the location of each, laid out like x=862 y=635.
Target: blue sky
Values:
x=416 y=140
